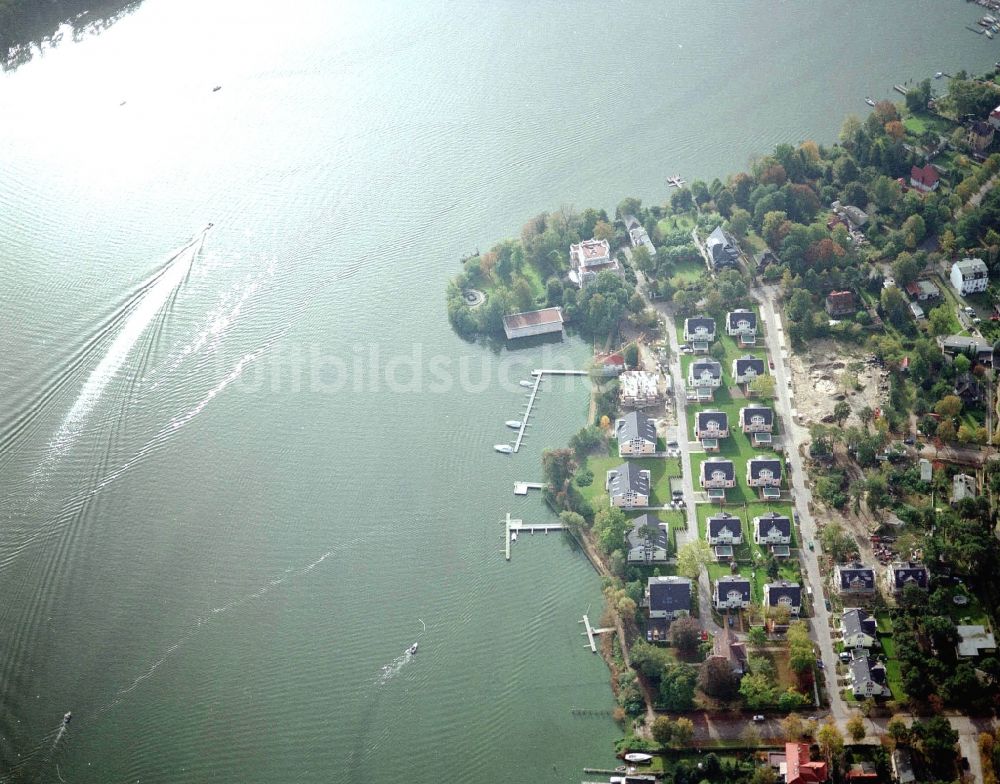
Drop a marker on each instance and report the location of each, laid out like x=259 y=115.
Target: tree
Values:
x=692 y=558
x=604 y=231
x=856 y=728
x=574 y=522
x=757 y=636
x=757 y=691
x=905 y=269
x=936 y=741
x=790 y=700
x=681 y=200
x=763 y=386
x=677 y=687
x=739 y=221
x=939 y=320
x=610 y=527
x=831 y=742
x=949 y=406
x=717 y=679
x=792 y=727
x=683 y=731
x=524 y=297
x=836 y=542
x=894 y=307
x=663 y=730
x=841 y=412
x=685 y=636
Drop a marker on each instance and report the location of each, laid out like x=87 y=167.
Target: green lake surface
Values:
x=237 y=483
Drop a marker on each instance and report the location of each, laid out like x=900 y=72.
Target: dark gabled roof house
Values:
x=741 y=320
x=756 y=417
x=716 y=421
x=840 y=303
x=761 y=469
x=724 y=468
x=668 y=596
x=648 y=540
x=743 y=365
x=635 y=425
x=856 y=621
x=868 y=678
x=721 y=250
x=719 y=525
x=903 y=574
x=855 y=579
x=772 y=526
x=731 y=590
x=784 y=593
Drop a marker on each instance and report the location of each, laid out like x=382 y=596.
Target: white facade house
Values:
x=636 y=435
x=746 y=369
x=717 y=473
x=705 y=373
x=858 y=628
x=699 y=332
x=969 y=276
x=731 y=593
x=741 y=323
x=772 y=528
x=724 y=529
x=588 y=259
x=763 y=472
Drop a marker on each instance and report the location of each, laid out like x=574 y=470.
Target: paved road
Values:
x=795 y=435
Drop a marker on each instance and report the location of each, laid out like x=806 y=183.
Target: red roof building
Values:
x=924 y=179
x=840 y=303
x=800 y=768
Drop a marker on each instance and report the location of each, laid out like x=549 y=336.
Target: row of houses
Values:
x=669 y=598
x=756 y=421
x=723 y=532
x=861 y=581
x=700 y=331
x=717 y=475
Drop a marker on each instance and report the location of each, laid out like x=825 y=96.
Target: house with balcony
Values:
x=903 y=573
x=590 y=258
x=704 y=376
x=636 y=435
x=699 y=333
x=710 y=427
x=742 y=324
x=764 y=473
x=858 y=628
x=668 y=598
x=757 y=422
x=638 y=236
x=722 y=250
x=784 y=593
x=648 y=541
x=746 y=369
x=724 y=529
x=716 y=475
x=868 y=678
x=854 y=580
x=969 y=276
x=628 y=486
x=772 y=529
x=731 y=593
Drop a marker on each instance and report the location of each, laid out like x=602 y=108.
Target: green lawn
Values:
x=673 y=223
x=687 y=272
x=892 y=669
x=661 y=470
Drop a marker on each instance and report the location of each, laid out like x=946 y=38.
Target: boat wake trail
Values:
x=203 y=621
x=393 y=668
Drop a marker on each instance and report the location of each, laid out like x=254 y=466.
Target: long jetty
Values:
x=538 y=374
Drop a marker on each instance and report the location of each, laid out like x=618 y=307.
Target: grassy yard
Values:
x=673 y=223
x=687 y=272
x=892 y=669
x=661 y=470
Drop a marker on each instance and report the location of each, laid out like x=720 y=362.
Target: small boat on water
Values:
x=528 y=384
x=504 y=449
x=513 y=536
x=216 y=88
x=67 y=717
x=413 y=648
x=939 y=74
x=869 y=101
x=513 y=423
x=641 y=759
x=989 y=33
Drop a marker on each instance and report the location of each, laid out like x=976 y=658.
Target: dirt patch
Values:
x=823 y=375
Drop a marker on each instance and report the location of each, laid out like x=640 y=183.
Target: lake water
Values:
x=239 y=481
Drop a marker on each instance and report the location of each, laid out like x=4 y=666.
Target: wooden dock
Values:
x=522 y=488
x=900 y=89
x=546 y=371
x=591 y=632
x=519 y=527
x=527 y=412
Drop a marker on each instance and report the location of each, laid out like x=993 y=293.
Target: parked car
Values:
x=970 y=311
x=811 y=546
x=909 y=440
x=845 y=656
x=770 y=363
x=758 y=717
x=828 y=606
x=672 y=444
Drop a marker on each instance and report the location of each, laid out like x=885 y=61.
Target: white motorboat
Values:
x=514 y=423
x=869 y=101
x=642 y=759
x=528 y=384
x=939 y=74
x=413 y=648
x=504 y=449
x=513 y=536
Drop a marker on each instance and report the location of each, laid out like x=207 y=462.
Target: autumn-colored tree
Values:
x=774 y=174
x=605 y=422
x=792 y=727
x=831 y=742
x=886 y=111
x=810 y=149
x=823 y=253
x=897 y=730
x=895 y=129
x=856 y=728
x=685 y=636
x=949 y=406
x=604 y=231
x=663 y=730
x=683 y=731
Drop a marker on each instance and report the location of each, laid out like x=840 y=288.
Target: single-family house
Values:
x=628 y=486
x=724 y=529
x=668 y=597
x=722 y=250
x=638 y=236
x=974 y=640
x=969 y=276
x=763 y=472
x=968 y=389
x=757 y=421
x=924 y=178
x=710 y=427
x=917 y=311
x=858 y=628
x=705 y=373
x=901 y=574
x=840 y=303
x=588 y=259
x=648 y=541
x=717 y=473
x=772 y=529
x=975 y=349
x=636 y=435
x=963 y=486
x=533 y=322
x=854 y=580
x=731 y=593
x=799 y=767
x=923 y=290
x=784 y=594
x=868 y=678
x=742 y=323
x=980 y=136
x=699 y=333
x=901 y=764
x=746 y=369
x=764 y=259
